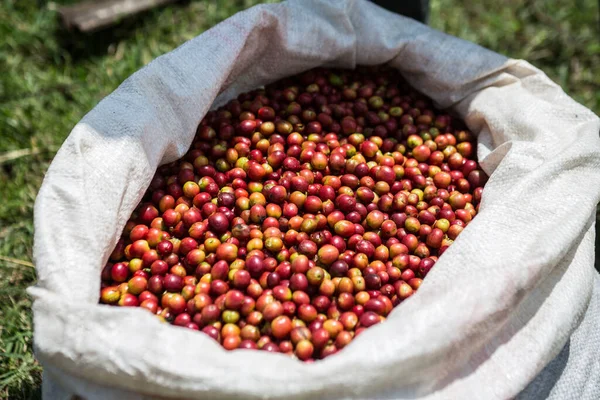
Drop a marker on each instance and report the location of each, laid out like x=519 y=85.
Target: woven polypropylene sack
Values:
x=506 y=299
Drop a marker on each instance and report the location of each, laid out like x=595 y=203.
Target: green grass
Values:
x=49 y=81
x=560 y=37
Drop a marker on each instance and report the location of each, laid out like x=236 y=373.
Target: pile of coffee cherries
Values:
x=302 y=214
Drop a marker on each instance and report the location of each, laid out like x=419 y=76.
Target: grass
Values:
x=559 y=37
x=49 y=81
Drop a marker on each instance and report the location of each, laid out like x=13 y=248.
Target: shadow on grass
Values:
x=85 y=45
x=33 y=392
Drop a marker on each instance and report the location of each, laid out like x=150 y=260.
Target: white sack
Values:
x=500 y=304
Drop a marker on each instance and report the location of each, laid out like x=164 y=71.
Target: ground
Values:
x=49 y=80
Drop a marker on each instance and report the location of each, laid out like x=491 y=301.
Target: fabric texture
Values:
x=513 y=292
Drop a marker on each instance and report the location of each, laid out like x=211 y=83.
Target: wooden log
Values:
x=92 y=15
